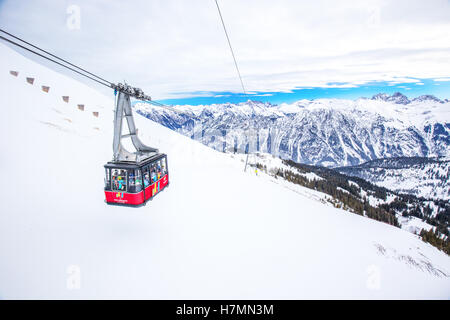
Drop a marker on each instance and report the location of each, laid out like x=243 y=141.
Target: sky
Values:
x=176 y=51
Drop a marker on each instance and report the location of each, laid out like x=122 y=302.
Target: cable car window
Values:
x=158 y=169
x=146 y=177
x=163 y=166
x=119 y=180
x=153 y=172
x=107 y=179
x=131 y=181
x=134 y=180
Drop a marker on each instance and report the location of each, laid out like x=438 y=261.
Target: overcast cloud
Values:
x=175 y=48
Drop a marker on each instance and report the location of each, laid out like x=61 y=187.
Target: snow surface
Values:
x=428 y=180
x=273 y=164
x=414 y=224
x=215 y=233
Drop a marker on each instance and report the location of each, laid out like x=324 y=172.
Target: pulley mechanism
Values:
x=131 y=91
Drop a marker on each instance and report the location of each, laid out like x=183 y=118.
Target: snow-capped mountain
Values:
x=215 y=233
x=400 y=98
x=397 y=98
x=327 y=132
x=429 y=97
x=425 y=177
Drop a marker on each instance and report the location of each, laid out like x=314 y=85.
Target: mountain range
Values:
x=324 y=132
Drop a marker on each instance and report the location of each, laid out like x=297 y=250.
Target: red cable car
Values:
x=134 y=184
x=133 y=178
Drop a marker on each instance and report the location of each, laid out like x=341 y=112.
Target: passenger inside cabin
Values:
x=146 y=178
x=119 y=180
x=132 y=181
x=163 y=165
x=114 y=176
x=153 y=175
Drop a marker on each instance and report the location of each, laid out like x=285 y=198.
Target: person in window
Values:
x=146 y=179
x=114 y=180
x=120 y=183
x=138 y=180
x=158 y=170
x=153 y=175
x=132 y=180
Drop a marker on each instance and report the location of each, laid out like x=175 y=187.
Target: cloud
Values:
x=175 y=48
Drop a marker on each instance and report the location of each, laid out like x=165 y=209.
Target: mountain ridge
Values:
x=327 y=132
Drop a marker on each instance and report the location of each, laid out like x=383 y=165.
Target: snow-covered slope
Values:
x=413 y=214
x=214 y=233
x=327 y=132
x=423 y=177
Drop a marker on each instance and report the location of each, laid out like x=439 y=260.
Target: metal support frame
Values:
x=123 y=109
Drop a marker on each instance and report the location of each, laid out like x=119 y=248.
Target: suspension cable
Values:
x=50 y=59
x=89 y=75
x=239 y=74
x=54 y=56
x=231 y=49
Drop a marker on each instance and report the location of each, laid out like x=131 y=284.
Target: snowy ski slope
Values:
x=214 y=233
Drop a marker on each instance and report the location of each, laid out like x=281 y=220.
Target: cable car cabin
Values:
x=129 y=183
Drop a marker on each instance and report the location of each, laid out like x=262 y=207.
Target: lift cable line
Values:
x=138 y=94
x=54 y=56
x=131 y=178
x=62 y=62
x=231 y=49
x=52 y=60
x=238 y=72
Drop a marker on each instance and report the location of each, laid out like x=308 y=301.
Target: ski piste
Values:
x=214 y=230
